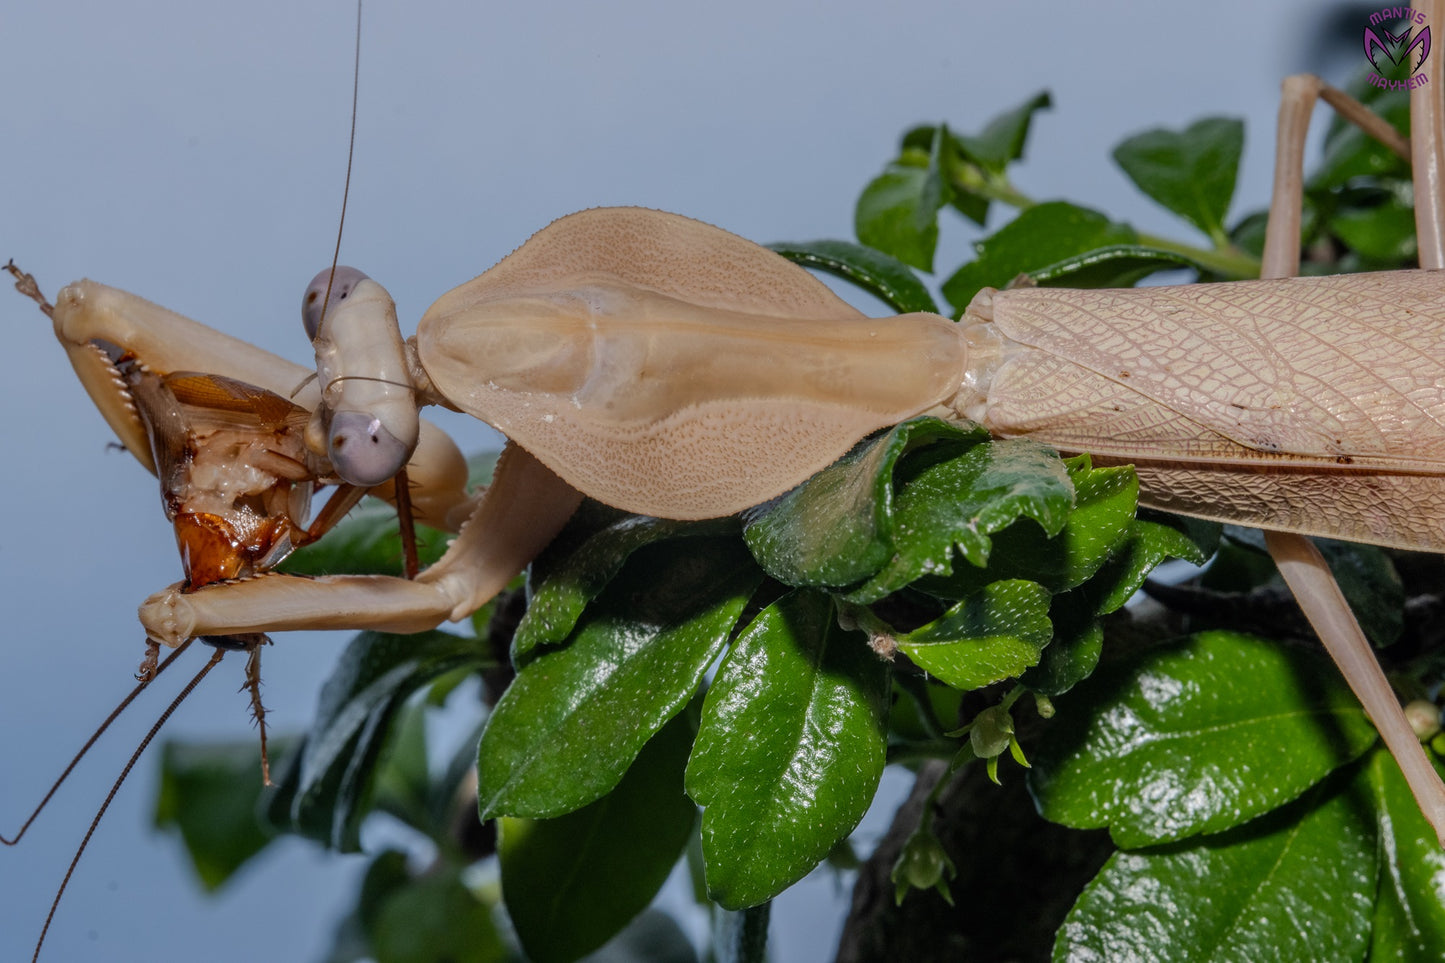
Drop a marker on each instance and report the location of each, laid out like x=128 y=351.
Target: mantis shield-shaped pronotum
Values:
x=674 y=508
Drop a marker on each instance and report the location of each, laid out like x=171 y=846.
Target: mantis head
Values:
x=367 y=421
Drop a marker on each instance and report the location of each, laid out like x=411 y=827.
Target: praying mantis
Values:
x=518 y=234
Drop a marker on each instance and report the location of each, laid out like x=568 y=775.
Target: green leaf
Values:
x=1191 y=172
x=885 y=277
x=385 y=875
x=565 y=582
x=835 y=528
x=970 y=192
x=1152 y=537
x=1074 y=652
x=1195 y=737
x=1002 y=138
x=897 y=212
x=434 y=919
x=572 y=883
x=992 y=635
x=326 y=790
x=1296 y=885
x=1371 y=585
x=1366 y=575
x=209 y=793
x=1044 y=235
x=790 y=749
x=1409 y=922
x=1102 y=516
x=1114 y=266
x=575 y=717
x=1384 y=232
x=368 y=541
x=403 y=780
x=1350 y=153
x=961 y=502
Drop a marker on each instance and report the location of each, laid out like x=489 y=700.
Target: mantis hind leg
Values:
x=1299 y=561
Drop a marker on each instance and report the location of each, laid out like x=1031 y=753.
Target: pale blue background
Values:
x=193 y=154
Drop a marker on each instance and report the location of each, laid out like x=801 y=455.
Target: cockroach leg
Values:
x=26 y=285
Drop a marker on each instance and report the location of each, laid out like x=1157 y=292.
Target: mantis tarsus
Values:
x=148 y=496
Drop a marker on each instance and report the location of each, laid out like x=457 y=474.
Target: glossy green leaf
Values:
x=1191 y=172
x=1296 y=885
x=790 y=749
x=574 y=574
x=961 y=502
x=885 y=277
x=1195 y=737
x=1102 y=517
x=1044 y=235
x=209 y=793
x=836 y=528
x=575 y=717
x=1003 y=138
x=572 y=883
x=897 y=212
x=1152 y=538
x=1114 y=266
x=326 y=790
x=1074 y=652
x=992 y=635
x=1409 y=910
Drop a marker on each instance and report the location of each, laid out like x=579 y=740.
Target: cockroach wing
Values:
x=1314 y=405
x=233 y=466
x=670 y=368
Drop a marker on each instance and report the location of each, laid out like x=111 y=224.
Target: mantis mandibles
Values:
x=620 y=489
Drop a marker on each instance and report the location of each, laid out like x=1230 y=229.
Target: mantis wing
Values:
x=670 y=368
x=1314 y=405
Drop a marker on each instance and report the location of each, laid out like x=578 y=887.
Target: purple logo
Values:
x=1403 y=46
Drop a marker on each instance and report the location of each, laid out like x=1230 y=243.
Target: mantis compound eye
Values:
x=363 y=450
x=315 y=305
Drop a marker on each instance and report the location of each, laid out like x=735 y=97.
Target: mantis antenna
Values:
x=368 y=415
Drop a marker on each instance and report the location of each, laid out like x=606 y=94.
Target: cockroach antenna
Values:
x=95 y=737
x=119 y=780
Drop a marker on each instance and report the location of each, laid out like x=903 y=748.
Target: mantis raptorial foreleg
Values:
x=525 y=506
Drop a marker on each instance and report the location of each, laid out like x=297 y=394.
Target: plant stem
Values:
x=1229 y=261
